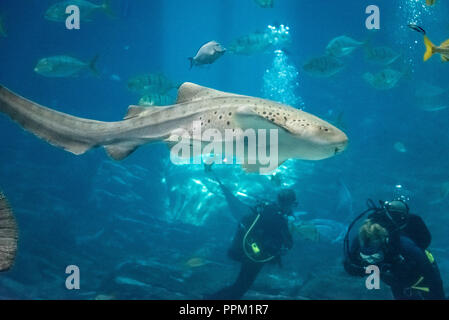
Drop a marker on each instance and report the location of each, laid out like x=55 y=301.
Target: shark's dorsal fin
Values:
x=135 y=111
x=189 y=92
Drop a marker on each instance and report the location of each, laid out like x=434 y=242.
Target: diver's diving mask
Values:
x=373 y=258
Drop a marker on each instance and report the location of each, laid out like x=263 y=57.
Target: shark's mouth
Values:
x=339 y=149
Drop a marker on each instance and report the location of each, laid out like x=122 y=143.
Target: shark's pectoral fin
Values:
x=120 y=151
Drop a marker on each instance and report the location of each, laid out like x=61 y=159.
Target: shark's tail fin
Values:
x=430 y=48
x=73 y=134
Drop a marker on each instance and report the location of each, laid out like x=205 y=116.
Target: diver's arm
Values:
x=237 y=207
x=412 y=252
x=352 y=264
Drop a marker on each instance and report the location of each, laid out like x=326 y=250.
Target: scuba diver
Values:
x=396 y=241
x=262 y=236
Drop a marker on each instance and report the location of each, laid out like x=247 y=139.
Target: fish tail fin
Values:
x=191 y=62
x=106 y=6
x=93 y=66
x=430 y=48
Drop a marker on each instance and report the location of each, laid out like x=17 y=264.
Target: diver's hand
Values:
x=354 y=269
x=385 y=273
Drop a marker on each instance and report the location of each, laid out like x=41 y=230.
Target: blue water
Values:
x=144 y=218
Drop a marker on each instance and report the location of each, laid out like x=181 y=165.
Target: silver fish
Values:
x=342 y=46
x=301 y=135
x=324 y=66
x=57 y=12
x=207 y=54
x=251 y=43
x=381 y=55
x=151 y=83
x=265 y=3
x=154 y=99
x=383 y=80
x=64 y=66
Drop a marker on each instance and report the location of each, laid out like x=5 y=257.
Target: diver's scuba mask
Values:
x=372 y=258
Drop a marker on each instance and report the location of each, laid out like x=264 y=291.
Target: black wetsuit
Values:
x=406 y=268
x=273 y=228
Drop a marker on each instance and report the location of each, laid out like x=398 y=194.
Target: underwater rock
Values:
x=8 y=234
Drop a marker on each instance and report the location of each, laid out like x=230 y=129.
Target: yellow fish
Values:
x=431 y=2
x=431 y=49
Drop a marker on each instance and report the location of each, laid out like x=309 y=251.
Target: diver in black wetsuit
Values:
x=396 y=241
x=261 y=237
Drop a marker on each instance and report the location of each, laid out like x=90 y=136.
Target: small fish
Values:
x=399 y=147
x=57 y=12
x=2 y=28
x=115 y=77
x=64 y=66
x=427 y=90
x=429 y=107
x=154 y=99
x=383 y=80
x=342 y=46
x=430 y=2
x=207 y=54
x=381 y=55
x=130 y=281
x=151 y=83
x=431 y=49
x=8 y=234
x=265 y=3
x=196 y=262
x=251 y=44
x=324 y=66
